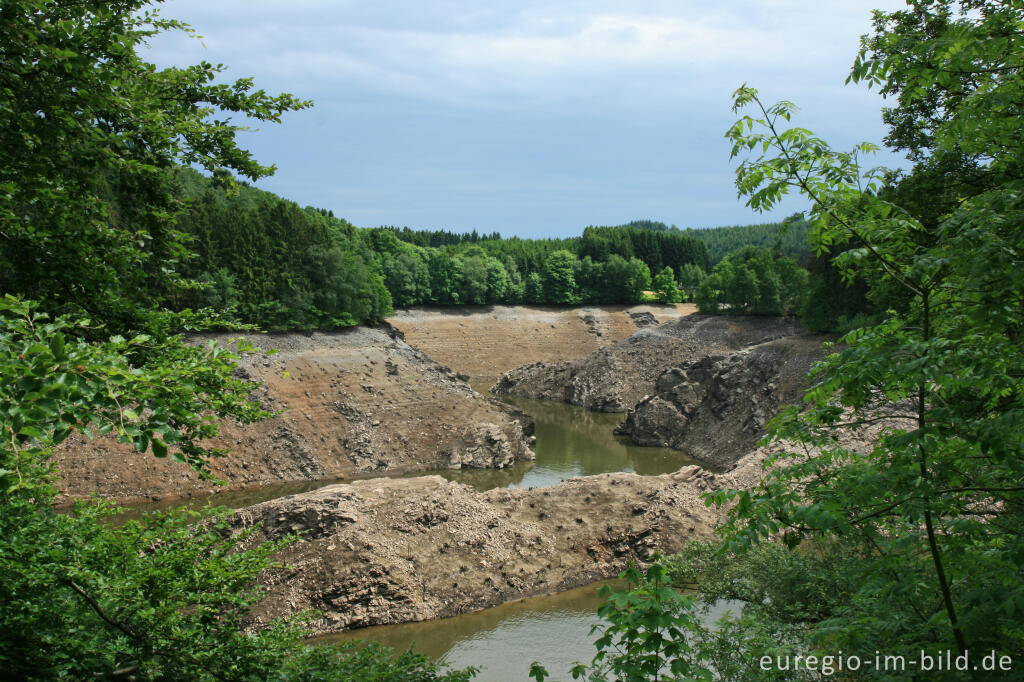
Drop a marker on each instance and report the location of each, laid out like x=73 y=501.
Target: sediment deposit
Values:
x=355 y=403
x=396 y=550
x=483 y=342
x=706 y=385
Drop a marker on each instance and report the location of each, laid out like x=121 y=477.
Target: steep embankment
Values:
x=395 y=550
x=355 y=402
x=717 y=407
x=483 y=342
x=703 y=384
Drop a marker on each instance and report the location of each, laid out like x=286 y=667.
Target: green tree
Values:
x=690 y=277
x=665 y=286
x=407 y=278
x=161 y=599
x=475 y=282
x=754 y=280
x=92 y=134
x=533 y=288
x=933 y=509
x=89 y=188
x=557 y=280
x=645 y=635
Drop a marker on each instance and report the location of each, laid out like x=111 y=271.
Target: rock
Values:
x=394 y=550
x=615 y=377
x=706 y=385
x=643 y=319
x=485 y=446
x=352 y=403
x=716 y=408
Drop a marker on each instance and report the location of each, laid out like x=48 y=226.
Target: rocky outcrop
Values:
x=353 y=403
x=394 y=550
x=382 y=551
x=717 y=407
x=706 y=385
x=616 y=377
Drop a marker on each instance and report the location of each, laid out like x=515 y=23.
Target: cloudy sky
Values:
x=529 y=118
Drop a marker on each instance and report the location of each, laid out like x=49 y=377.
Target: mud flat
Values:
x=706 y=385
x=483 y=342
x=397 y=550
x=356 y=403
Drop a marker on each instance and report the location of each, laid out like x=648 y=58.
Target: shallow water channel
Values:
x=571 y=442
x=555 y=630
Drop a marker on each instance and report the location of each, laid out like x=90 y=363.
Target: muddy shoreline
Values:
x=398 y=550
x=705 y=385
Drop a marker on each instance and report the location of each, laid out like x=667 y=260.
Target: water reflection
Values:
x=538 y=628
x=573 y=441
x=232 y=499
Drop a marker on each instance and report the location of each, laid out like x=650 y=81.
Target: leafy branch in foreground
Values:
x=645 y=636
x=935 y=504
x=52 y=382
x=167 y=598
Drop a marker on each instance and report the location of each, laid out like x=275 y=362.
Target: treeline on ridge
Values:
x=267 y=261
x=270 y=262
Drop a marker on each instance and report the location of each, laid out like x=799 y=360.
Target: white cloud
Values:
x=548 y=53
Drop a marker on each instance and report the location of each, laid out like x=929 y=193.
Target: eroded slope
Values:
x=355 y=402
x=483 y=342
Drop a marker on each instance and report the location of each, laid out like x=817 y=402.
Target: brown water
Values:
x=555 y=630
x=571 y=441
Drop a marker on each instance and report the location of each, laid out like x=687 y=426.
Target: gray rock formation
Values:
x=717 y=407
x=616 y=377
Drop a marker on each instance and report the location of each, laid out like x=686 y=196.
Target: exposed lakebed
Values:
x=555 y=629
x=571 y=441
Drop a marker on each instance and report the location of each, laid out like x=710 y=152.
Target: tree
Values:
x=89 y=187
x=665 y=286
x=753 y=280
x=645 y=635
x=407 y=278
x=557 y=279
x=475 y=284
x=161 y=599
x=690 y=277
x=91 y=139
x=931 y=512
x=533 y=289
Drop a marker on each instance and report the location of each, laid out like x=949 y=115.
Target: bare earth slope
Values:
x=357 y=402
x=395 y=550
x=616 y=377
x=483 y=342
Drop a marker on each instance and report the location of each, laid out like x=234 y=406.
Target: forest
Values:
x=266 y=261
x=110 y=252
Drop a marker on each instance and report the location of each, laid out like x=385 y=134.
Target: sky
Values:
x=528 y=118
